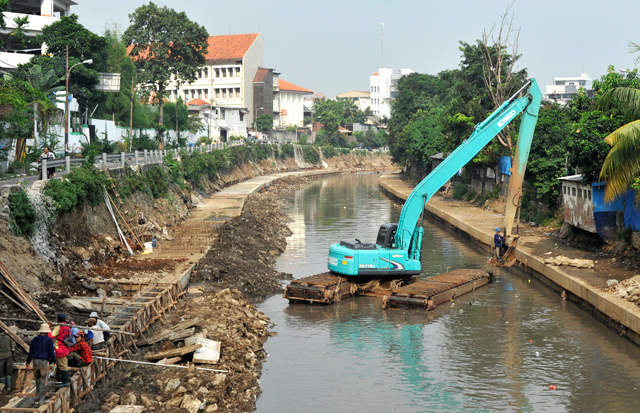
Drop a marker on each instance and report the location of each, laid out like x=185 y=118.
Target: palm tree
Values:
x=621 y=168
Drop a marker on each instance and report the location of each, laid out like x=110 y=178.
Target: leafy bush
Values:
x=459 y=191
x=22 y=216
x=471 y=194
x=624 y=235
x=157 y=181
x=329 y=151
x=176 y=173
x=310 y=155
x=81 y=185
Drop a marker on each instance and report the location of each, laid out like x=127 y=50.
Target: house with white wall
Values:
x=564 y=88
x=383 y=86
x=361 y=99
x=288 y=103
x=41 y=13
x=221 y=122
x=226 y=80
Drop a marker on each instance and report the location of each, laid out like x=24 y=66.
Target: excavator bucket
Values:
x=509 y=257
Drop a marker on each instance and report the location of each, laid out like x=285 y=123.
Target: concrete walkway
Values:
x=480 y=224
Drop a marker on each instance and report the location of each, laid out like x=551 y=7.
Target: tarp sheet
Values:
x=504 y=164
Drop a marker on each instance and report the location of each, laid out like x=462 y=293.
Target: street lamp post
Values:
x=66 y=99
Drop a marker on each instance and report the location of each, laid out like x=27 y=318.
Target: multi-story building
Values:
x=564 y=88
x=220 y=122
x=361 y=99
x=289 y=103
x=41 y=13
x=383 y=88
x=226 y=80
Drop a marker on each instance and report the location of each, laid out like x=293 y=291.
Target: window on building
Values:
x=579 y=192
x=589 y=195
x=217 y=93
x=241 y=116
x=199 y=93
x=206 y=72
x=222 y=111
x=237 y=92
x=224 y=94
x=224 y=72
x=237 y=72
x=206 y=93
x=573 y=191
x=199 y=74
x=564 y=189
x=217 y=72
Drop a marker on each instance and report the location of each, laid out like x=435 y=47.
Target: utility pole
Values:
x=67 y=70
x=381 y=46
x=131 y=117
x=177 y=129
x=66 y=104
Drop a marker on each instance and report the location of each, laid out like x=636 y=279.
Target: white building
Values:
x=221 y=122
x=226 y=80
x=288 y=103
x=564 y=88
x=361 y=99
x=383 y=88
x=41 y=13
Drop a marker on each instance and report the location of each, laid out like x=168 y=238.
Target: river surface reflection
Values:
x=497 y=349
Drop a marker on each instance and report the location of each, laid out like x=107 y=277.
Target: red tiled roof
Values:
x=198 y=102
x=229 y=47
x=226 y=47
x=261 y=75
x=284 y=85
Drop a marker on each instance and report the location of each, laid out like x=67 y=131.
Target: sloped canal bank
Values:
x=496 y=349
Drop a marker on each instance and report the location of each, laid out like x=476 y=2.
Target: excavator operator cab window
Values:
x=382 y=235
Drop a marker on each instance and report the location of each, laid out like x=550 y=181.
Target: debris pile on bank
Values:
x=561 y=260
x=289 y=183
x=628 y=289
x=247 y=249
x=224 y=317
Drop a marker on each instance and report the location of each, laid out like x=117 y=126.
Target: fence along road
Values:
x=118 y=160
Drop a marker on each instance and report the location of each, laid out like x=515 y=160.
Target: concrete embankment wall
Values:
x=619 y=314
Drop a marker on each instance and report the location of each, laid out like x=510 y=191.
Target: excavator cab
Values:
x=387 y=236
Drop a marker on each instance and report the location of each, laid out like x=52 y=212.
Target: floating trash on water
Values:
x=507 y=322
x=530 y=341
x=552 y=387
x=547 y=253
x=537 y=353
x=461 y=311
x=452 y=304
x=529 y=281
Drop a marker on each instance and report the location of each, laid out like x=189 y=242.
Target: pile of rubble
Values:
x=628 y=289
x=247 y=249
x=225 y=318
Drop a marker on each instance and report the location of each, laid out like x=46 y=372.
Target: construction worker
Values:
x=43 y=354
x=62 y=341
x=81 y=354
x=498 y=241
x=7 y=348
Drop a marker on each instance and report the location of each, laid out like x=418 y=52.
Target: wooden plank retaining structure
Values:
x=146 y=307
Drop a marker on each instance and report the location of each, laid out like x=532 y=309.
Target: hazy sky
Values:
x=334 y=46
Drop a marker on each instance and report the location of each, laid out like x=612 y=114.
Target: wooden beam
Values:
x=173 y=353
x=14 y=337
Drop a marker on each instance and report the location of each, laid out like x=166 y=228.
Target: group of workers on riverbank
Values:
x=65 y=346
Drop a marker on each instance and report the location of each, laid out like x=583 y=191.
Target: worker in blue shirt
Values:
x=43 y=354
x=498 y=241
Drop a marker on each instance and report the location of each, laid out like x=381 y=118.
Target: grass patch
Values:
x=459 y=191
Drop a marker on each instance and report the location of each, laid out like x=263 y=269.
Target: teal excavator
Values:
x=398 y=247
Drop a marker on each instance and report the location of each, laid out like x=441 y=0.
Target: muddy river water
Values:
x=496 y=350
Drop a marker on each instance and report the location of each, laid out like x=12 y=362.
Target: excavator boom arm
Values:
x=407 y=236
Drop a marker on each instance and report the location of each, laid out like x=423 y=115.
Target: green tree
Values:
x=264 y=122
x=165 y=46
x=547 y=159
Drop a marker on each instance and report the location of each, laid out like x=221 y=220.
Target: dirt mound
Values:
x=225 y=317
x=247 y=249
x=289 y=183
